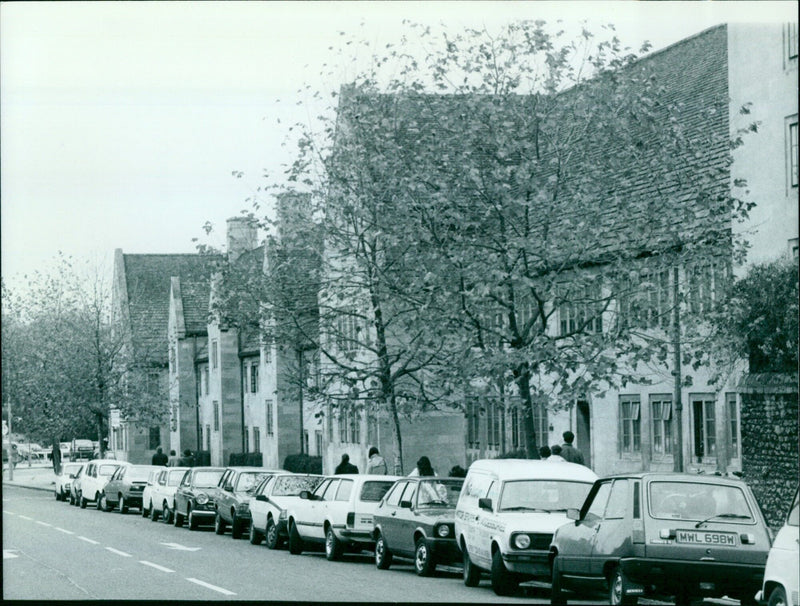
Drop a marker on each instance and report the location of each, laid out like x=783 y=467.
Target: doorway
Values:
x=583 y=431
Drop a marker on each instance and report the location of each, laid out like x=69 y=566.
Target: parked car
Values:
x=194 y=497
x=507 y=513
x=63 y=480
x=269 y=508
x=75 y=486
x=338 y=513
x=95 y=476
x=781 y=583
x=663 y=534
x=81 y=450
x=125 y=488
x=416 y=520
x=232 y=498
x=163 y=493
x=147 y=493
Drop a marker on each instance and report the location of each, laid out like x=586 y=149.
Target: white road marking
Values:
x=43 y=523
x=210 y=586
x=156 y=566
x=88 y=540
x=180 y=547
x=63 y=530
x=9 y=553
x=118 y=552
x=25 y=517
x=11 y=513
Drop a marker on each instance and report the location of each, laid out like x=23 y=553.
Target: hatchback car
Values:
x=162 y=495
x=781 y=582
x=126 y=486
x=63 y=480
x=269 y=509
x=147 y=493
x=675 y=534
x=507 y=513
x=232 y=498
x=416 y=520
x=338 y=513
x=194 y=497
x=75 y=486
x=94 y=478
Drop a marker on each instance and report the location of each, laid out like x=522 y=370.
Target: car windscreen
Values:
x=248 y=479
x=373 y=491
x=139 y=474
x=175 y=477
x=439 y=493
x=699 y=501
x=286 y=486
x=207 y=479
x=68 y=469
x=106 y=470
x=543 y=495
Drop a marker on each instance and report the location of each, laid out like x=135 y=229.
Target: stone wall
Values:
x=770 y=450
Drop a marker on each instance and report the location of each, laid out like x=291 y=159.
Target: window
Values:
x=580 y=308
x=618 y=501
x=305 y=441
x=256 y=439
x=318 y=442
x=204 y=379
x=348 y=331
x=268 y=407
x=345 y=488
x=155 y=438
x=214 y=361
x=791 y=40
x=331 y=430
x=473 y=423
x=792 y=152
x=208 y=437
x=216 y=415
x=201 y=436
x=707 y=284
x=598 y=504
x=246 y=438
x=355 y=425
x=661 y=415
x=705 y=432
x=645 y=302
x=394 y=498
x=268 y=351
x=630 y=430
x=494 y=424
x=343 y=422
x=732 y=404
x=518 y=425
x=254 y=377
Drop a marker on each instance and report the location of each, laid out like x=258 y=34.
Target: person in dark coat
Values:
x=457 y=472
x=544 y=452
x=57 y=457
x=568 y=451
x=345 y=466
x=187 y=460
x=160 y=458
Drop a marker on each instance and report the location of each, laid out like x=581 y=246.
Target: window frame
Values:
x=709 y=438
x=634 y=423
x=661 y=426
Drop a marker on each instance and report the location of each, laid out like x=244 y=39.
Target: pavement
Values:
x=39 y=476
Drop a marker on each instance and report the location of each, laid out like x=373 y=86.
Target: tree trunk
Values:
x=524 y=385
x=100 y=437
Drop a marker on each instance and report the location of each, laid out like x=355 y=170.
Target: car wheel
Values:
x=684 y=598
x=271 y=534
x=616 y=590
x=98 y=501
x=167 y=514
x=424 y=562
x=177 y=518
x=295 y=541
x=254 y=536
x=58 y=495
x=145 y=511
x=504 y=582
x=153 y=513
x=192 y=520
x=123 y=506
x=778 y=597
x=236 y=527
x=333 y=546
x=557 y=597
x=383 y=555
x=219 y=524
x=83 y=502
x=472 y=574
x=103 y=503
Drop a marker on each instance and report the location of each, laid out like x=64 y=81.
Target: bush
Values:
x=202 y=458
x=246 y=459
x=303 y=463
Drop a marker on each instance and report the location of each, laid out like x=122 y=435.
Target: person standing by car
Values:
x=57 y=457
x=376 y=463
x=556 y=454
x=174 y=459
x=159 y=458
x=187 y=460
x=345 y=466
x=569 y=452
x=544 y=452
x=423 y=468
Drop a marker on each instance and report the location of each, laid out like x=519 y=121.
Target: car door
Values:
x=387 y=511
x=612 y=537
x=308 y=516
x=259 y=508
x=407 y=518
x=578 y=542
x=339 y=505
x=319 y=509
x=223 y=494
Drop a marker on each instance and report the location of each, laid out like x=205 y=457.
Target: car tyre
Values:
x=253 y=535
x=333 y=546
x=219 y=524
x=236 y=527
x=123 y=506
x=177 y=518
x=83 y=502
x=192 y=520
x=145 y=511
x=471 y=574
x=58 y=495
x=504 y=582
x=295 y=541
x=777 y=597
x=557 y=597
x=98 y=501
x=616 y=587
x=167 y=514
x=271 y=534
x=153 y=513
x=102 y=503
x=424 y=560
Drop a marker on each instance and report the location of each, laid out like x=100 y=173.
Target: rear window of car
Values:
x=174 y=477
x=373 y=491
x=107 y=470
x=293 y=485
x=137 y=474
x=249 y=479
x=543 y=495
x=699 y=501
x=207 y=479
x=68 y=469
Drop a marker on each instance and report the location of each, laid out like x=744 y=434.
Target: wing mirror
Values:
x=574 y=514
x=485 y=504
x=304 y=494
x=262 y=498
x=405 y=504
x=72 y=476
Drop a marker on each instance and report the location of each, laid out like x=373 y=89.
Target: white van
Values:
x=507 y=513
x=782 y=573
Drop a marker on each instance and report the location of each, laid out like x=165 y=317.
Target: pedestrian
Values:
x=174 y=460
x=187 y=460
x=159 y=458
x=376 y=463
x=423 y=468
x=457 y=472
x=57 y=457
x=345 y=466
x=568 y=451
x=544 y=452
x=555 y=454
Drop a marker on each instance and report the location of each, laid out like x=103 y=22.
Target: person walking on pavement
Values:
x=174 y=459
x=556 y=454
x=376 y=463
x=345 y=466
x=568 y=451
x=187 y=460
x=57 y=457
x=544 y=452
x=159 y=458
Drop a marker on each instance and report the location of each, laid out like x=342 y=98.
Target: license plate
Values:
x=699 y=537
x=365 y=519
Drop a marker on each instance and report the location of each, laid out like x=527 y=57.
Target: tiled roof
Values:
x=147 y=279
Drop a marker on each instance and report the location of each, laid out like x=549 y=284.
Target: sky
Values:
x=122 y=123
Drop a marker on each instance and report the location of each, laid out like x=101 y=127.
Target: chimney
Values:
x=242 y=236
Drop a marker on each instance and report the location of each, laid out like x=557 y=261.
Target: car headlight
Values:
x=244 y=507
x=443 y=531
x=201 y=499
x=522 y=541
